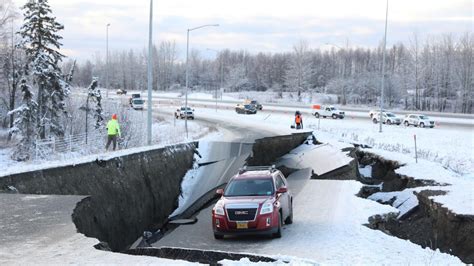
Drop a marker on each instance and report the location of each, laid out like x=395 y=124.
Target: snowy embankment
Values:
x=165 y=132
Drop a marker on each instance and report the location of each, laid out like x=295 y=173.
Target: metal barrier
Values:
x=46 y=148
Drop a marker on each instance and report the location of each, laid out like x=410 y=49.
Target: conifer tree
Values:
x=25 y=123
x=40 y=42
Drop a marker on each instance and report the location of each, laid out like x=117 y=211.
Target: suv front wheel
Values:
x=289 y=219
x=278 y=233
x=406 y=123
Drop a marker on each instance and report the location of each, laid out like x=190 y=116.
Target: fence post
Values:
x=36 y=149
x=416 y=152
x=54 y=144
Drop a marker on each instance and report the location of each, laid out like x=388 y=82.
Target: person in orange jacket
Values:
x=298 y=120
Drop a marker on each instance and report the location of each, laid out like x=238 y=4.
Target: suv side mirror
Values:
x=282 y=190
x=220 y=191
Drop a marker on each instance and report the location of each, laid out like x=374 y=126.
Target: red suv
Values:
x=255 y=201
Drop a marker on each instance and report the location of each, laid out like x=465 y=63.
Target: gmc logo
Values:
x=241 y=212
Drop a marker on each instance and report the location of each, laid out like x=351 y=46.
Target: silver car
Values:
x=418 y=121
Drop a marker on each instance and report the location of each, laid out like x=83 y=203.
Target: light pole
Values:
x=107 y=60
x=187 y=73
x=383 y=68
x=221 y=74
x=149 y=75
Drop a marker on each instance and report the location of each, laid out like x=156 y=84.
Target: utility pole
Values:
x=383 y=68
x=107 y=60
x=187 y=73
x=150 y=75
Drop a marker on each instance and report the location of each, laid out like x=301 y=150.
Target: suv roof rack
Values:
x=246 y=168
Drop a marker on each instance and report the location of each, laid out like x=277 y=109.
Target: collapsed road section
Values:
x=122 y=194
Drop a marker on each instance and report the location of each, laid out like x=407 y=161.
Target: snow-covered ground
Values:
x=444 y=155
x=332 y=233
x=165 y=131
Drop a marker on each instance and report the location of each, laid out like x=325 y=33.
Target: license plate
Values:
x=242 y=225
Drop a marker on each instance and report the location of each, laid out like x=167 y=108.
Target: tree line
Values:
x=433 y=74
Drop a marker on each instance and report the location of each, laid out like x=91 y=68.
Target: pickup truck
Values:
x=182 y=113
x=327 y=111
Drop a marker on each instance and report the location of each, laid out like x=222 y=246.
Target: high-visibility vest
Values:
x=298 y=119
x=113 y=128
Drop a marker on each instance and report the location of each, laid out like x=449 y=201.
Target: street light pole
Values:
x=383 y=69
x=187 y=73
x=150 y=75
x=107 y=61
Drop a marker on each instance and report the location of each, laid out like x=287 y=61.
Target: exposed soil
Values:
x=199 y=256
x=428 y=224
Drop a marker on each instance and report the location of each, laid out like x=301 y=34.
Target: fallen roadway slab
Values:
x=323 y=158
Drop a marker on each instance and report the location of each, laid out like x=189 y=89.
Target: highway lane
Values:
x=461 y=121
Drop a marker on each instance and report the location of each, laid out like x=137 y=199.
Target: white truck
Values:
x=327 y=111
x=184 y=112
x=137 y=103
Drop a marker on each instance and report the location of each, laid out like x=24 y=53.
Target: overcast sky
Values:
x=253 y=25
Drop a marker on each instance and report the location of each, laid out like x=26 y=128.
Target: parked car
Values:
x=388 y=118
x=256 y=201
x=255 y=104
x=374 y=111
x=418 y=121
x=134 y=96
x=183 y=112
x=327 y=111
x=138 y=104
x=247 y=109
x=121 y=92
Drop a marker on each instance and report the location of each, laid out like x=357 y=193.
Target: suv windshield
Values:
x=138 y=101
x=390 y=115
x=250 y=187
x=248 y=106
x=423 y=117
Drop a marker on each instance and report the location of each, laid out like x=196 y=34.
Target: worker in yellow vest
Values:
x=113 y=129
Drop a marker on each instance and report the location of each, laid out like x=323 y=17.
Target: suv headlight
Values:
x=267 y=207
x=219 y=210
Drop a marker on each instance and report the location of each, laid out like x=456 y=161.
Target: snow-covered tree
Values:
x=298 y=75
x=25 y=123
x=95 y=95
x=237 y=80
x=41 y=45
